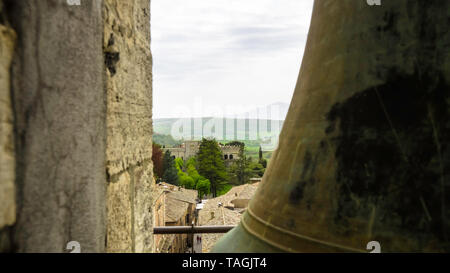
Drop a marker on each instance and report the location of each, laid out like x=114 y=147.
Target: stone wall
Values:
x=80 y=88
x=190 y=148
x=129 y=125
x=233 y=150
x=7 y=162
x=59 y=110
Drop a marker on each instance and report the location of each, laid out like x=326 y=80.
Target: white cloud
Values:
x=226 y=52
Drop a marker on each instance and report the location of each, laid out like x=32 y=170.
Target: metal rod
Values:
x=191 y=229
x=192 y=237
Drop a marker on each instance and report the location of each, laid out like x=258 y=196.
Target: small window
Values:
x=231 y=156
x=225 y=156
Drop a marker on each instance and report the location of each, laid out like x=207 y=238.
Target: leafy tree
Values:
x=185 y=180
x=211 y=164
x=179 y=164
x=157 y=158
x=203 y=186
x=170 y=174
x=226 y=188
x=240 y=171
x=236 y=143
x=257 y=169
x=192 y=170
x=262 y=160
x=263 y=163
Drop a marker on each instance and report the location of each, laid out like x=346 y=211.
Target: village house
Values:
x=174 y=207
x=159 y=215
x=225 y=210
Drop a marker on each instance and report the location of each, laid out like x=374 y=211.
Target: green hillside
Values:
x=164 y=127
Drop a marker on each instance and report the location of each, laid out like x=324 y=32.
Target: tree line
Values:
x=207 y=172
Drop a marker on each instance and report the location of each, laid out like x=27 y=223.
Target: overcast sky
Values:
x=212 y=55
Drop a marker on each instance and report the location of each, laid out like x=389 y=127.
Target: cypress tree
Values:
x=170 y=171
x=211 y=164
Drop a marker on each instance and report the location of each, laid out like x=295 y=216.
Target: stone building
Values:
x=159 y=216
x=190 y=148
x=179 y=210
x=226 y=209
x=186 y=150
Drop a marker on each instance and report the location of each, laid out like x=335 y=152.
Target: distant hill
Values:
x=279 y=109
x=241 y=129
x=230 y=126
x=165 y=140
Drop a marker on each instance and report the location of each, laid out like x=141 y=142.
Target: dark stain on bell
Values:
x=389 y=21
x=297 y=193
x=306 y=179
x=393 y=152
x=291 y=223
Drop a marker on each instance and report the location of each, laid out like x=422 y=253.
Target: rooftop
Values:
x=175 y=209
x=177 y=200
x=212 y=214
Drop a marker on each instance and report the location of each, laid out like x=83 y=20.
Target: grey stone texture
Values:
x=129 y=125
x=60 y=113
x=80 y=89
x=7 y=161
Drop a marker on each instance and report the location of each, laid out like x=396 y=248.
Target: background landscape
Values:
x=163 y=126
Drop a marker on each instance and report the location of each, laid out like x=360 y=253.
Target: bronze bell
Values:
x=364 y=152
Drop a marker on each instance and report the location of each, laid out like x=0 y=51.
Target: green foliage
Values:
x=203 y=186
x=165 y=140
x=260 y=154
x=211 y=164
x=240 y=171
x=164 y=126
x=263 y=163
x=179 y=164
x=224 y=189
x=170 y=171
x=262 y=160
x=252 y=150
x=186 y=181
x=192 y=170
x=257 y=169
x=236 y=143
x=157 y=158
x=189 y=177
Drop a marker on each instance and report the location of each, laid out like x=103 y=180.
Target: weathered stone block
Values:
x=119 y=207
x=129 y=124
x=7 y=160
x=60 y=109
x=81 y=82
